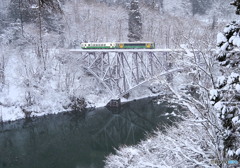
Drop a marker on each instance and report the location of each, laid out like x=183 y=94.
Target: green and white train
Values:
x=119 y=45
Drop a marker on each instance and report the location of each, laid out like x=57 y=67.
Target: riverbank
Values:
x=183 y=146
x=13 y=99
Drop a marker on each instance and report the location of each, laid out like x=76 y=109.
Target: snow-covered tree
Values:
x=134 y=22
x=196 y=142
x=220 y=10
x=226 y=96
x=187 y=7
x=3 y=60
x=236 y=3
x=187 y=145
x=200 y=6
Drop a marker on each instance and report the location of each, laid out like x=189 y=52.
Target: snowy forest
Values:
x=40 y=76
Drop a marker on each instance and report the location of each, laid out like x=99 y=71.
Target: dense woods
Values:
x=38 y=75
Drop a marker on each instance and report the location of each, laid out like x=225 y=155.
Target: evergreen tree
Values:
x=226 y=97
x=28 y=12
x=237 y=4
x=200 y=6
x=21 y=10
x=134 y=22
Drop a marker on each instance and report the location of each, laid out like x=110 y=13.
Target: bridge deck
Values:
x=126 y=50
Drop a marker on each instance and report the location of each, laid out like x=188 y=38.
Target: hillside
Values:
x=39 y=76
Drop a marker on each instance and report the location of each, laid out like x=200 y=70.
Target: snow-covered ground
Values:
x=22 y=90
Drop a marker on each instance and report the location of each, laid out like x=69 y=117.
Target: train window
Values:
x=135 y=44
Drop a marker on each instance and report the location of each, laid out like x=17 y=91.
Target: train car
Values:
x=98 y=45
x=119 y=45
x=135 y=45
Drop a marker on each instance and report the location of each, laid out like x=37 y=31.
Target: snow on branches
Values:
x=237 y=4
x=226 y=97
x=173 y=149
x=134 y=22
x=227 y=53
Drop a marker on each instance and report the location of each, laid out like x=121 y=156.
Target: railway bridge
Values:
x=121 y=70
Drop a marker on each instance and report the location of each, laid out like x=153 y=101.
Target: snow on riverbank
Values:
x=185 y=146
x=54 y=103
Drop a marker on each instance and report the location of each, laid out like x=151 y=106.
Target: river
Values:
x=80 y=140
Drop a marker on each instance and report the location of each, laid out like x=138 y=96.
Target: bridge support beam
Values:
x=120 y=71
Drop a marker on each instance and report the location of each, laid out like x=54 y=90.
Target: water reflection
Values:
x=74 y=140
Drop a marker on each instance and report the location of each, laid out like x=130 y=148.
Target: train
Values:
x=119 y=45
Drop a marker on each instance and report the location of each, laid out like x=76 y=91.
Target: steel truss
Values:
x=122 y=71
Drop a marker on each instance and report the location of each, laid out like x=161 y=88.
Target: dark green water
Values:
x=77 y=140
